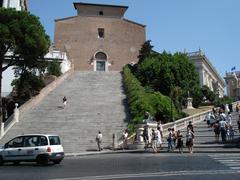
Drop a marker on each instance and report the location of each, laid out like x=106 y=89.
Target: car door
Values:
x=13 y=149
x=30 y=147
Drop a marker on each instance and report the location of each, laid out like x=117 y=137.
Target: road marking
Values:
x=155 y=174
x=230 y=160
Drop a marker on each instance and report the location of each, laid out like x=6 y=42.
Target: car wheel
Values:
x=42 y=160
x=57 y=162
x=1 y=161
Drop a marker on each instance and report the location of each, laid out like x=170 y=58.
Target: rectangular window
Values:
x=54 y=140
x=100 y=33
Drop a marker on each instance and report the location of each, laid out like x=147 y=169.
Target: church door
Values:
x=101 y=65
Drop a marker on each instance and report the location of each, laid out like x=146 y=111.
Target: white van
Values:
x=33 y=147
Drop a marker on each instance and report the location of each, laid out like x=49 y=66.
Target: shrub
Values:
x=140 y=101
x=26 y=86
x=54 y=68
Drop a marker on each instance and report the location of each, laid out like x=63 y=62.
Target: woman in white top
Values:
x=159 y=138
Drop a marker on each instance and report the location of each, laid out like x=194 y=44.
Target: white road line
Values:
x=156 y=174
x=229 y=160
x=233 y=162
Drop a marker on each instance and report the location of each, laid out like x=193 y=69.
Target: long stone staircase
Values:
x=95 y=101
x=205 y=141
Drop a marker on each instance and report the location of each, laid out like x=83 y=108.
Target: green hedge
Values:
x=140 y=101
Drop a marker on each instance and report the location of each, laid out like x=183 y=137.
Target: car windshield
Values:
x=54 y=140
x=15 y=143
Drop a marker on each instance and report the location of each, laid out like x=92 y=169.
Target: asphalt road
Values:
x=131 y=166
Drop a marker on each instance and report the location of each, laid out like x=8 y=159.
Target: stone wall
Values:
x=79 y=37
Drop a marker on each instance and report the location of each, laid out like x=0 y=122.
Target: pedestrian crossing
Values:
x=230 y=160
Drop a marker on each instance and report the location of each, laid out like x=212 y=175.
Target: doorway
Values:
x=100 y=62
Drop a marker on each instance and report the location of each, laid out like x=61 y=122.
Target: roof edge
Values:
x=134 y=22
x=92 y=4
x=66 y=18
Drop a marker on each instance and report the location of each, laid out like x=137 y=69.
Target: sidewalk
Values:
x=185 y=151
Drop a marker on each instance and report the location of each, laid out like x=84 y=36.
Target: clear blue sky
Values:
x=172 y=25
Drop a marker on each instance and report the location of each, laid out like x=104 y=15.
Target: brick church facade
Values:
x=99 y=38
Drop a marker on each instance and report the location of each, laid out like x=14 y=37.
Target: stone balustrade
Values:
x=177 y=125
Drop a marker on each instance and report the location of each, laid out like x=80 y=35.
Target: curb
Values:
x=196 y=151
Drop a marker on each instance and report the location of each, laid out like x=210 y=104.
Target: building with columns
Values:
x=19 y=5
x=232 y=80
x=99 y=38
x=207 y=73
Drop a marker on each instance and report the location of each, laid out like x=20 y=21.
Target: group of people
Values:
x=222 y=123
x=174 y=138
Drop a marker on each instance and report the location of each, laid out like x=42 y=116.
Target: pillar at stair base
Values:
x=139 y=142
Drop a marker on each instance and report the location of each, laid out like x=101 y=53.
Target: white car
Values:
x=33 y=147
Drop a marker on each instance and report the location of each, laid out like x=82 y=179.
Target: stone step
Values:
x=95 y=101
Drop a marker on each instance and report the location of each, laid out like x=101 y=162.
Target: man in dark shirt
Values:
x=190 y=126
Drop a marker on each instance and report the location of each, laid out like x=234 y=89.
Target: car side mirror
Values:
x=5 y=146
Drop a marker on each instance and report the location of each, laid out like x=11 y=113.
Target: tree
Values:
x=145 y=51
x=168 y=73
x=26 y=86
x=54 y=68
x=207 y=93
x=23 y=36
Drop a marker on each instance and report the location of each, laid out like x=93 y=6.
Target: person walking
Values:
x=174 y=135
x=231 y=133
x=145 y=137
x=212 y=119
x=216 y=129
x=238 y=123
x=229 y=118
x=207 y=117
x=64 y=101
x=159 y=138
x=99 y=140
x=190 y=126
x=169 y=140
x=179 y=141
x=154 y=141
x=125 y=136
x=237 y=107
x=159 y=124
x=223 y=126
x=189 y=140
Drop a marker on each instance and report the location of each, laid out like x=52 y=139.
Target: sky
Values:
x=172 y=25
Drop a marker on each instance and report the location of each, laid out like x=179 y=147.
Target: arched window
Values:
x=101 y=55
